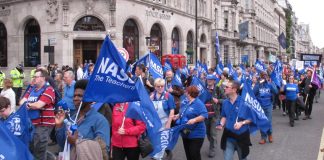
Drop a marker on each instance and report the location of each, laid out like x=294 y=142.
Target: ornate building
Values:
x=76 y=29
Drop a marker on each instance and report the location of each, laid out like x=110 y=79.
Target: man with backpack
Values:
x=40 y=103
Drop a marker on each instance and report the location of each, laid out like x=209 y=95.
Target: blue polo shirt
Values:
x=291 y=91
x=194 y=109
x=230 y=112
x=93 y=125
x=263 y=92
x=68 y=95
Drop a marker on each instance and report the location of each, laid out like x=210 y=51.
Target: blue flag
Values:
x=177 y=79
x=255 y=111
x=276 y=75
x=20 y=125
x=155 y=67
x=244 y=30
x=109 y=83
x=143 y=60
x=185 y=71
x=259 y=66
x=282 y=40
x=217 y=49
x=86 y=72
x=204 y=95
x=231 y=71
x=144 y=110
x=12 y=147
x=167 y=65
x=204 y=68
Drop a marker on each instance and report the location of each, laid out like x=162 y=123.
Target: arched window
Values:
x=190 y=50
x=89 y=23
x=203 y=38
x=3 y=46
x=131 y=39
x=156 y=40
x=32 y=55
x=175 y=43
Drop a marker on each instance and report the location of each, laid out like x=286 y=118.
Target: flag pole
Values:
x=310 y=84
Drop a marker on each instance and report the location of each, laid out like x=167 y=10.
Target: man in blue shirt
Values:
x=263 y=91
x=91 y=124
x=69 y=81
x=236 y=135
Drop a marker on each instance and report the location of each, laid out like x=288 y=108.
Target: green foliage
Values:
x=288 y=28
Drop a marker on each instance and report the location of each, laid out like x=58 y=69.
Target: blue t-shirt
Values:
x=168 y=101
x=68 y=95
x=263 y=92
x=291 y=91
x=230 y=112
x=193 y=110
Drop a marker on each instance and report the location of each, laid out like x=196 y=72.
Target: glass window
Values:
x=89 y=23
x=190 y=50
x=203 y=38
x=156 y=40
x=226 y=47
x=131 y=39
x=32 y=56
x=175 y=41
x=3 y=46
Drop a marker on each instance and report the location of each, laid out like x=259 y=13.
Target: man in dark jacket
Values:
x=309 y=91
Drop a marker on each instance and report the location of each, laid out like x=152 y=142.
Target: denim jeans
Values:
x=268 y=113
x=231 y=146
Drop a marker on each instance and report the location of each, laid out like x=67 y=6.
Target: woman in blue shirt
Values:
x=291 y=92
x=192 y=113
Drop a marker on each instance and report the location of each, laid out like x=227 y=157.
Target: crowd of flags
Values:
x=103 y=89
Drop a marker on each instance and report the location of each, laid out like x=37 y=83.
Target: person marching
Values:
x=263 y=91
x=291 y=91
x=213 y=108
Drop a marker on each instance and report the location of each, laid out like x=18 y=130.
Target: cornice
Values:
x=7 y=2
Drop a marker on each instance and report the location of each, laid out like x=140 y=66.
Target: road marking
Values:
x=321 y=154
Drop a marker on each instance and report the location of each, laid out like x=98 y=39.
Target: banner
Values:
x=282 y=40
x=109 y=83
x=204 y=95
x=217 y=49
x=167 y=65
x=276 y=75
x=177 y=79
x=20 y=125
x=144 y=110
x=155 y=67
x=12 y=147
x=232 y=71
x=255 y=112
x=244 y=30
x=259 y=66
x=299 y=65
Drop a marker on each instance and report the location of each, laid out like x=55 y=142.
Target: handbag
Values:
x=145 y=145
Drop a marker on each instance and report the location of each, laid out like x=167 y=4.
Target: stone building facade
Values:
x=76 y=29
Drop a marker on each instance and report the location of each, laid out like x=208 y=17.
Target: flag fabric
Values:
x=12 y=147
x=282 y=40
x=204 y=95
x=255 y=112
x=218 y=69
x=217 y=49
x=144 y=110
x=185 y=71
x=20 y=125
x=260 y=66
x=155 y=67
x=244 y=30
x=143 y=60
x=231 y=71
x=204 y=68
x=315 y=80
x=167 y=65
x=86 y=71
x=276 y=75
x=177 y=79
x=108 y=77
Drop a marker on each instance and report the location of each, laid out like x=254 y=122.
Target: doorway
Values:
x=86 y=51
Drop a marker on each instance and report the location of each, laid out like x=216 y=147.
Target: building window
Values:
x=190 y=50
x=203 y=38
x=89 y=23
x=32 y=56
x=226 y=54
x=225 y=20
x=3 y=46
x=131 y=39
x=156 y=40
x=175 y=46
x=216 y=17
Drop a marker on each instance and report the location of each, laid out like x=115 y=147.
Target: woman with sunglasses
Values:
x=164 y=105
x=291 y=92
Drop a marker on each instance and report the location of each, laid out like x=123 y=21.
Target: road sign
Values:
x=124 y=53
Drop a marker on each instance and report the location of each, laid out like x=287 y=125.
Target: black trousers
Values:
x=309 y=104
x=122 y=153
x=18 y=93
x=291 y=106
x=192 y=148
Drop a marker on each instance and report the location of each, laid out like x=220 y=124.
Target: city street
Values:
x=301 y=142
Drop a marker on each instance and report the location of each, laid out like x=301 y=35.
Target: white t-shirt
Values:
x=10 y=94
x=79 y=73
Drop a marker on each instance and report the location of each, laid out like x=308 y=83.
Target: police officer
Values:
x=17 y=76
